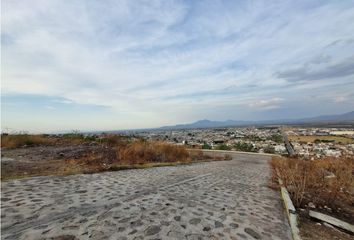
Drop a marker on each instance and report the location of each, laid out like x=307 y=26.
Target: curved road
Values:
x=214 y=200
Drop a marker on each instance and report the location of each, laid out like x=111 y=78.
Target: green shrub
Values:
x=223 y=147
x=206 y=146
x=245 y=147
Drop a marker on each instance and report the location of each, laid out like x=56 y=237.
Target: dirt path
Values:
x=214 y=200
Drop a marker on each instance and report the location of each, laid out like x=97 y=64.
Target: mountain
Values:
x=208 y=124
x=340 y=118
x=345 y=117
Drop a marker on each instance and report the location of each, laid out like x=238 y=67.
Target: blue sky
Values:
x=102 y=65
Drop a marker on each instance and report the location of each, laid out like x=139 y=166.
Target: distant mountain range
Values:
x=340 y=118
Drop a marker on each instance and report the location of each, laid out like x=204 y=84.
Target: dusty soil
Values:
x=65 y=159
x=43 y=160
x=310 y=229
x=342 y=210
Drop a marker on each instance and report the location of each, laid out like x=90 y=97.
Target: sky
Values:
x=125 y=64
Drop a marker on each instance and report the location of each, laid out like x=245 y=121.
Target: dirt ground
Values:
x=43 y=160
x=323 y=138
x=66 y=159
x=310 y=229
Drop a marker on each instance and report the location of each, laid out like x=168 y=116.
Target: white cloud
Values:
x=340 y=99
x=144 y=58
x=267 y=103
x=49 y=107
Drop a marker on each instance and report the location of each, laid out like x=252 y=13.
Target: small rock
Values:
x=253 y=233
x=133 y=232
x=65 y=237
x=194 y=221
x=136 y=223
x=152 y=230
x=206 y=229
x=218 y=224
x=165 y=223
x=311 y=205
x=234 y=225
x=330 y=175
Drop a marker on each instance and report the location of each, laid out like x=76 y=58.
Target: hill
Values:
x=205 y=123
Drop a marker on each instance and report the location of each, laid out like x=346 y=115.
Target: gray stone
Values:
x=195 y=221
x=234 y=225
x=218 y=224
x=114 y=204
x=152 y=230
x=253 y=233
x=206 y=229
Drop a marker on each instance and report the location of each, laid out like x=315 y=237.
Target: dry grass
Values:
x=90 y=154
x=12 y=141
x=144 y=152
x=20 y=140
x=30 y=140
x=323 y=182
x=320 y=138
x=140 y=154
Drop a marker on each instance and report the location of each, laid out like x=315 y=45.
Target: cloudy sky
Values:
x=100 y=65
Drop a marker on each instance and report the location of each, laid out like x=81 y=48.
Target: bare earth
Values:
x=214 y=200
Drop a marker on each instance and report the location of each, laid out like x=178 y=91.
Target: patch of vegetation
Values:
x=278 y=138
x=108 y=153
x=223 y=147
x=206 y=146
x=244 y=147
x=269 y=149
x=254 y=138
x=21 y=140
x=323 y=182
x=323 y=140
x=306 y=139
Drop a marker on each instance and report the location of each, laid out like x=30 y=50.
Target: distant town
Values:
x=305 y=142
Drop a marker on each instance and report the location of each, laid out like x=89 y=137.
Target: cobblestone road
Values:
x=214 y=200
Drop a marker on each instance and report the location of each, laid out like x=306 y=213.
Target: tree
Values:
x=269 y=149
x=276 y=138
x=206 y=146
x=245 y=147
x=222 y=147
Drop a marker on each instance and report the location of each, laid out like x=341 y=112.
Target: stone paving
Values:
x=213 y=200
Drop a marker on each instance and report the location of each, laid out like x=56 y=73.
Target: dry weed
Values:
x=320 y=181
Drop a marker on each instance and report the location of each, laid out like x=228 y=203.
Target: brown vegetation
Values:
x=37 y=155
x=325 y=182
x=306 y=139
x=140 y=154
x=144 y=152
x=19 y=140
x=11 y=141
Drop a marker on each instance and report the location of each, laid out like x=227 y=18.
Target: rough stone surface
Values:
x=253 y=233
x=214 y=200
x=152 y=230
